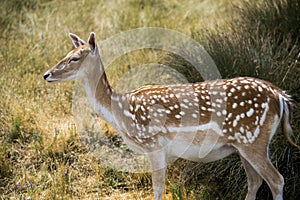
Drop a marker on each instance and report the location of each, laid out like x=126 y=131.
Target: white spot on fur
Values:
x=242 y=129
x=177 y=116
x=250 y=112
x=234 y=123
x=234 y=105
x=256 y=132
x=249 y=134
x=182 y=113
x=219 y=100
x=120 y=105
x=185 y=100
x=263 y=118
x=130 y=107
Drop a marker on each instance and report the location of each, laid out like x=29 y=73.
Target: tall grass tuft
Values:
x=5 y=169
x=271 y=16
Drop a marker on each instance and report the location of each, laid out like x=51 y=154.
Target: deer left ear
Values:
x=76 y=40
x=92 y=42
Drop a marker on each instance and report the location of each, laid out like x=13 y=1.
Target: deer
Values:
x=203 y=122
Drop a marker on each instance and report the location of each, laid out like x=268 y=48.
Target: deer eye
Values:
x=74 y=59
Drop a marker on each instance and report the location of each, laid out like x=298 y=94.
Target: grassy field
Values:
x=41 y=156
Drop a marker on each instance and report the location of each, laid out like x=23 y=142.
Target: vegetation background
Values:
x=41 y=156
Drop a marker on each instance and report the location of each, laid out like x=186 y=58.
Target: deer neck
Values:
x=99 y=91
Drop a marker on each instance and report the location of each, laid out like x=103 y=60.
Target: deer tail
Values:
x=286 y=115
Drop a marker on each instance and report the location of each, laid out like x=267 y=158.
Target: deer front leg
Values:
x=158 y=180
x=158 y=165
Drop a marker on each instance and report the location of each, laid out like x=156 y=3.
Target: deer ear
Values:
x=76 y=40
x=92 y=42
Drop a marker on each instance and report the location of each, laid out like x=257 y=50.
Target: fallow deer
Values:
x=204 y=121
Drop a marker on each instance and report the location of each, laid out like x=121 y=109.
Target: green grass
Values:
x=41 y=155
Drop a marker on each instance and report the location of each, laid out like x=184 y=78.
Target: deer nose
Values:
x=46 y=75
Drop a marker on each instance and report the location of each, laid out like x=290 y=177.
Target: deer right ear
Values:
x=92 y=42
x=76 y=40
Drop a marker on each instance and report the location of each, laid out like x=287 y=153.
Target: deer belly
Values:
x=204 y=151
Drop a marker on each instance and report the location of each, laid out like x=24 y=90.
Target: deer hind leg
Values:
x=260 y=162
x=158 y=166
x=253 y=179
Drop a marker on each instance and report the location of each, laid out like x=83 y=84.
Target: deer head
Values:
x=75 y=64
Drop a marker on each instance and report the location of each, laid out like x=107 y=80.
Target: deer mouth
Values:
x=51 y=81
x=47 y=77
